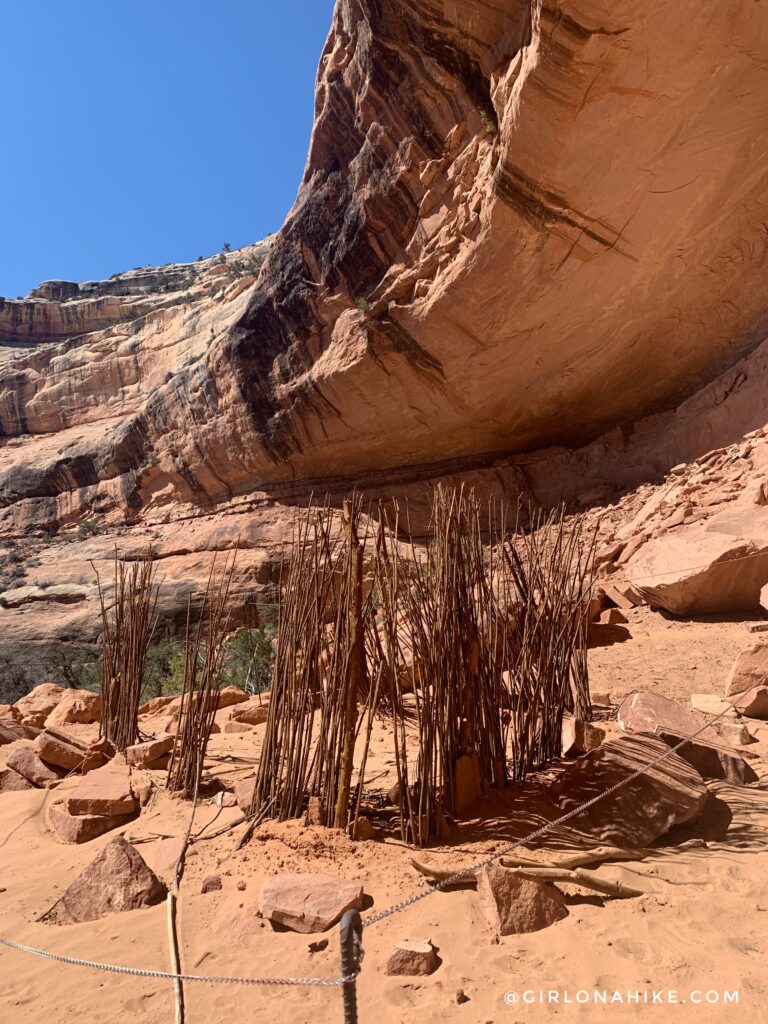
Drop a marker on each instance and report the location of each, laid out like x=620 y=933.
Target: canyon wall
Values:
x=529 y=248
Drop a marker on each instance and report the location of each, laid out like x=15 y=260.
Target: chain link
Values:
x=167 y=975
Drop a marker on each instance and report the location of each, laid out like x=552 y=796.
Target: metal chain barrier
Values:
x=141 y=972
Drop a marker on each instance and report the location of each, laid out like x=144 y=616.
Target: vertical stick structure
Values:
x=128 y=624
x=204 y=647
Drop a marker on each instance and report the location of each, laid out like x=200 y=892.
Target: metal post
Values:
x=351 y=928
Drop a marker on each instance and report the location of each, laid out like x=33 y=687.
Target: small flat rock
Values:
x=579 y=737
x=412 y=957
x=81 y=828
x=309 y=903
x=211 y=884
x=515 y=905
x=144 y=754
x=106 y=791
x=712 y=704
x=671 y=793
x=26 y=762
x=734 y=734
x=162 y=854
x=117 y=880
x=12 y=782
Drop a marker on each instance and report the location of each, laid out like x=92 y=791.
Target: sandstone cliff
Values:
x=523 y=230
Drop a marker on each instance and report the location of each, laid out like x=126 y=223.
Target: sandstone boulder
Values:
x=157 y=704
x=26 y=762
x=652 y=713
x=579 y=737
x=516 y=905
x=145 y=755
x=612 y=617
x=668 y=794
x=251 y=713
x=106 y=791
x=230 y=695
x=309 y=903
x=712 y=566
x=81 y=828
x=236 y=727
x=117 y=880
x=754 y=703
x=11 y=781
x=57 y=752
x=750 y=669
x=411 y=958
x=11 y=731
x=76 y=707
x=37 y=705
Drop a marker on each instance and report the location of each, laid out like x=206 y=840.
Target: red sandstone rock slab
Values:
x=116 y=881
x=750 y=670
x=515 y=905
x=652 y=713
x=26 y=762
x=144 y=754
x=754 y=703
x=309 y=903
x=669 y=794
x=11 y=781
x=235 y=727
x=72 y=828
x=251 y=713
x=55 y=751
x=105 y=791
x=244 y=793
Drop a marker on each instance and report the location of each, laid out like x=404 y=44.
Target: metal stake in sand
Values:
x=351 y=934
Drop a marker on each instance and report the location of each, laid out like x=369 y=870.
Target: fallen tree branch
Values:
x=586 y=879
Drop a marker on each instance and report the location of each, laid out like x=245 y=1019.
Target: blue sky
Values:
x=149 y=132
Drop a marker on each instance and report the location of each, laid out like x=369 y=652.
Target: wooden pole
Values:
x=356 y=665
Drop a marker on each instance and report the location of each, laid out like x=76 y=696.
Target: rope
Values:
x=166 y=975
x=542 y=830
